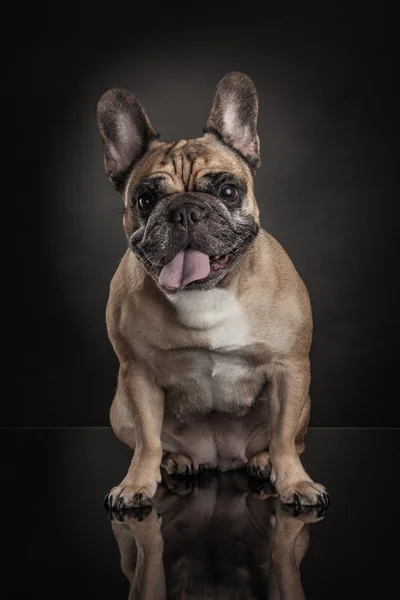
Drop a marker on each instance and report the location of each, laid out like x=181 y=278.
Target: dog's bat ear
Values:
x=233 y=116
x=125 y=132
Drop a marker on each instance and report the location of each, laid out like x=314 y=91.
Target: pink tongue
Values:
x=188 y=265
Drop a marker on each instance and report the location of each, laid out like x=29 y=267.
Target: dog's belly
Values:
x=218 y=439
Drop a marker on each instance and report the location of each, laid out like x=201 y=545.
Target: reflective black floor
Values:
x=220 y=538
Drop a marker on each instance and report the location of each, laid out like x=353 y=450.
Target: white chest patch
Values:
x=216 y=312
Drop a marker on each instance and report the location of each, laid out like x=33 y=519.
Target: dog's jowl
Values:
x=209 y=318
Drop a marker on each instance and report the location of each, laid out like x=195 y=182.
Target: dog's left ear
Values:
x=233 y=116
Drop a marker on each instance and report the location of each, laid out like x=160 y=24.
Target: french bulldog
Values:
x=219 y=540
x=209 y=319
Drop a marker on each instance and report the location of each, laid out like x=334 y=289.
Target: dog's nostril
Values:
x=195 y=214
x=188 y=212
x=177 y=215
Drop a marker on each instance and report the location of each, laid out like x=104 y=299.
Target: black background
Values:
x=326 y=188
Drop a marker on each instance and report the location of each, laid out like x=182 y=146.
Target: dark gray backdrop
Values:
x=326 y=188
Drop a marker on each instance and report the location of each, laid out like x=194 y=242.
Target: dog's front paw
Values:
x=304 y=493
x=127 y=496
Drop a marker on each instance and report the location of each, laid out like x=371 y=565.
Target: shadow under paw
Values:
x=307 y=514
x=178 y=484
x=132 y=514
x=262 y=488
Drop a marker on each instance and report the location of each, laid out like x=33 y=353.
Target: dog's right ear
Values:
x=125 y=132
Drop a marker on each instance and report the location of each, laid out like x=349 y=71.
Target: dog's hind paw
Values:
x=260 y=465
x=176 y=463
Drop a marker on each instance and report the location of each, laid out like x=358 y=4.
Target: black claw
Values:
x=106 y=502
x=119 y=504
x=187 y=470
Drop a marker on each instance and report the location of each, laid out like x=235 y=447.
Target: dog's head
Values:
x=190 y=210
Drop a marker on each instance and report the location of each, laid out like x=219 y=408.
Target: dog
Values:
x=216 y=538
x=210 y=321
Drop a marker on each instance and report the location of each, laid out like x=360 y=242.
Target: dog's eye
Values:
x=146 y=201
x=228 y=192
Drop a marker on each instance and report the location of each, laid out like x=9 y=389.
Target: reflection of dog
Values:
x=219 y=541
x=208 y=316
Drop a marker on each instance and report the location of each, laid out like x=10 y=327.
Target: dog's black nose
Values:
x=188 y=213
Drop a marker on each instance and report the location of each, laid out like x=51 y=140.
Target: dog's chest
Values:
x=217 y=376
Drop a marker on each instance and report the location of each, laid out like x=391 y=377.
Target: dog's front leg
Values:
x=288 y=389
x=145 y=409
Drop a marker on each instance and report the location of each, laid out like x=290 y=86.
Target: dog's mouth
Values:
x=220 y=261
x=191 y=266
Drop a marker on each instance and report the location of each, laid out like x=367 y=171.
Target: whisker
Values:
x=115 y=211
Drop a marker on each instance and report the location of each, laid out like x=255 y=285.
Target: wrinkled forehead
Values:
x=185 y=162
